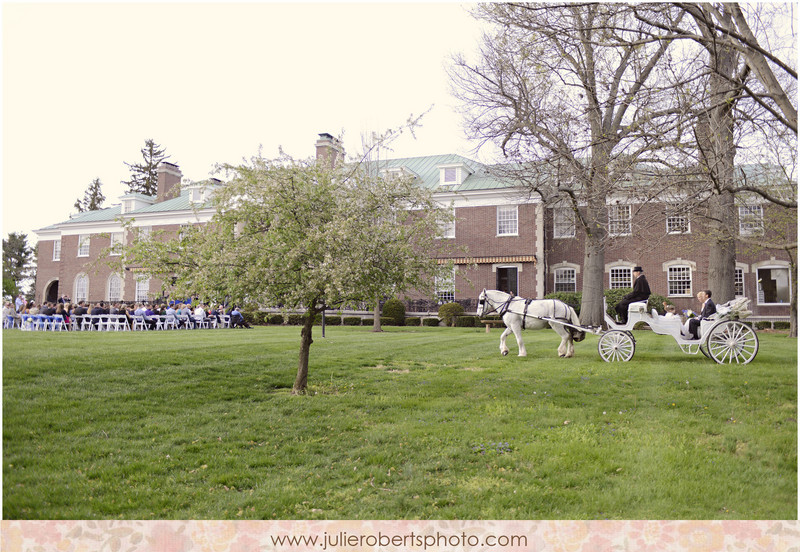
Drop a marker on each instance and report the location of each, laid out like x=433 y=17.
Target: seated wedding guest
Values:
x=142 y=311
x=187 y=314
x=237 y=319
x=78 y=312
x=123 y=310
x=216 y=314
x=199 y=314
x=10 y=313
x=62 y=310
x=172 y=313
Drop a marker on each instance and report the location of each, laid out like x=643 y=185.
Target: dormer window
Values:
x=453 y=175
x=200 y=192
x=397 y=173
x=134 y=201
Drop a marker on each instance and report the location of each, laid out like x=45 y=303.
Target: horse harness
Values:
x=507 y=305
x=564 y=318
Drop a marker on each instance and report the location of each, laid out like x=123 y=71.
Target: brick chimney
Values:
x=329 y=149
x=168 y=175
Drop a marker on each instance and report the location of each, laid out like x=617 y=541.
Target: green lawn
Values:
x=425 y=423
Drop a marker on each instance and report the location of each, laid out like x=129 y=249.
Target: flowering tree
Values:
x=303 y=235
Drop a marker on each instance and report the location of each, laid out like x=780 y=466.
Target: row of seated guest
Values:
x=184 y=315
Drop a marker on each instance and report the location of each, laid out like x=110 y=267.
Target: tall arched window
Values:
x=142 y=288
x=81 y=288
x=114 y=288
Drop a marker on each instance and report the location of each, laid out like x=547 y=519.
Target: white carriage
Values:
x=723 y=337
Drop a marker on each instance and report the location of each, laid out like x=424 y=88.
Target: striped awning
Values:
x=491 y=260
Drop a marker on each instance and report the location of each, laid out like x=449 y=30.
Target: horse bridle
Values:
x=503 y=308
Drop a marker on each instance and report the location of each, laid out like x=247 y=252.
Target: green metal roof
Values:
x=181 y=203
x=427 y=171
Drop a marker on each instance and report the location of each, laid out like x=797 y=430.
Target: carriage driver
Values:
x=641 y=292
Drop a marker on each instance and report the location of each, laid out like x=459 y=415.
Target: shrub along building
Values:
x=507 y=240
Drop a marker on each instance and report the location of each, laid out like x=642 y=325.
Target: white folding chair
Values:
x=138 y=323
x=116 y=322
x=58 y=324
x=200 y=321
x=87 y=323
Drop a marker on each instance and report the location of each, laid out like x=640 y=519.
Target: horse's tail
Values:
x=577 y=335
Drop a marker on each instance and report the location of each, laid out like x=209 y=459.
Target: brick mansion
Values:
x=514 y=242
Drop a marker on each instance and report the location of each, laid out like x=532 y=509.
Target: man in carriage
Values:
x=641 y=292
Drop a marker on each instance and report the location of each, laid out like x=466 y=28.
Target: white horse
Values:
x=519 y=314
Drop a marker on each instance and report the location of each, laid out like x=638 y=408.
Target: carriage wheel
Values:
x=616 y=345
x=730 y=342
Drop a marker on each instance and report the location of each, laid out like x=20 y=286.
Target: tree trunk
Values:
x=301 y=381
x=376 y=321
x=718 y=151
x=722 y=249
x=593 y=278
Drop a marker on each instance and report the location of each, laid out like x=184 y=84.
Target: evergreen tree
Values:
x=17 y=260
x=93 y=198
x=144 y=178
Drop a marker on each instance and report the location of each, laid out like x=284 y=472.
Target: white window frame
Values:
x=619 y=220
x=563 y=223
x=448 y=229
x=84 y=242
x=751 y=220
x=507 y=216
x=446 y=288
x=760 y=292
x=683 y=221
x=142 y=292
x=81 y=288
x=110 y=288
x=672 y=272
x=738 y=282
x=117 y=238
x=620 y=277
x=565 y=276
x=144 y=232
x=57 y=250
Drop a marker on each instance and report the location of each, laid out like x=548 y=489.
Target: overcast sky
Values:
x=85 y=84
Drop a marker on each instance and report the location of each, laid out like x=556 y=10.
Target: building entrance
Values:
x=507 y=279
x=51 y=294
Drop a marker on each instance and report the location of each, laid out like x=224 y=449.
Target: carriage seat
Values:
x=638 y=306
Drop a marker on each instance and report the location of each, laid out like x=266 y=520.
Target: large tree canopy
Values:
x=592 y=104
x=303 y=235
x=568 y=92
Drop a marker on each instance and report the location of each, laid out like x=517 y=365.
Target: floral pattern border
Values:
x=435 y=536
